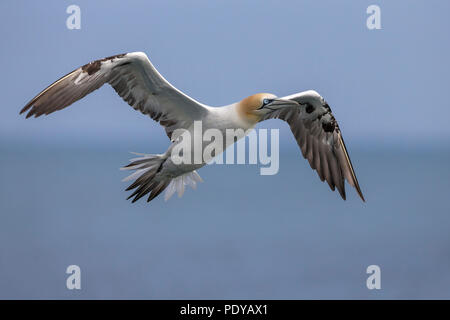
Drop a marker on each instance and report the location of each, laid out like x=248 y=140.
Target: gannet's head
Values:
x=255 y=107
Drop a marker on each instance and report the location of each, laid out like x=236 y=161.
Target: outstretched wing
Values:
x=320 y=140
x=134 y=78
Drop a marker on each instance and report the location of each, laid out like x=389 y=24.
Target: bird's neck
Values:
x=246 y=114
x=231 y=117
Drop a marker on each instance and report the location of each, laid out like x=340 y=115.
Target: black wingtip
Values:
x=25 y=109
x=352 y=171
x=360 y=194
x=342 y=193
x=358 y=188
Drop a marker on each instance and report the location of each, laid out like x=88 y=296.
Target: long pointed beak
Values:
x=281 y=103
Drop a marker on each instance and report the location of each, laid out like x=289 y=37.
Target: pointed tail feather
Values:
x=146 y=168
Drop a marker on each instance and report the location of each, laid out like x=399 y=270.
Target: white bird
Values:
x=136 y=80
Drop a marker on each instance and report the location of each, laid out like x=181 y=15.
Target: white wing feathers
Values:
x=134 y=78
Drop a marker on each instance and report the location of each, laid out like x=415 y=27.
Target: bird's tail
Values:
x=146 y=167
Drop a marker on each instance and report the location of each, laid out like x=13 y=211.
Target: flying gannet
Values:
x=136 y=80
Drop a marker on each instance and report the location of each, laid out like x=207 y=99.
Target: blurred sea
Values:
x=239 y=235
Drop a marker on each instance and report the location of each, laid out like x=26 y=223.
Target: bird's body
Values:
x=136 y=80
x=218 y=118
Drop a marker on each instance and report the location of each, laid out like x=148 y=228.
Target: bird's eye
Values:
x=266 y=101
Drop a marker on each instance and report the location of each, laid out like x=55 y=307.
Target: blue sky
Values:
x=385 y=86
x=240 y=235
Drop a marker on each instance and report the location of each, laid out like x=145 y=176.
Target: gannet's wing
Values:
x=134 y=78
x=320 y=139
